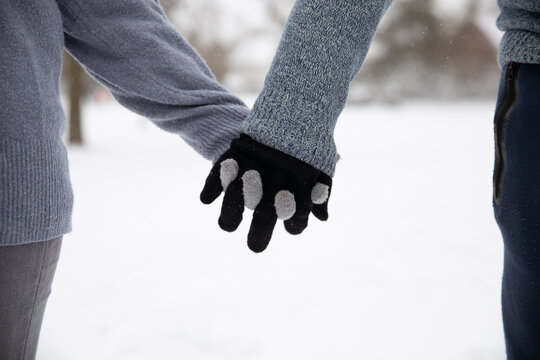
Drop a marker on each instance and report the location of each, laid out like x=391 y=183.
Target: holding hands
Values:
x=273 y=184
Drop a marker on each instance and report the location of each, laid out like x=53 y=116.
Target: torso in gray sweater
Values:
x=129 y=46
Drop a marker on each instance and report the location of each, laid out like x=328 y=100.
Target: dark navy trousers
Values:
x=516 y=200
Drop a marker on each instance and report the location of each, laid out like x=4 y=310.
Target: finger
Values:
x=321 y=211
x=252 y=189
x=262 y=226
x=320 y=196
x=212 y=187
x=285 y=204
x=232 y=207
x=299 y=221
x=221 y=175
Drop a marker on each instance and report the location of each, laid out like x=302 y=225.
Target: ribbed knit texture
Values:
x=131 y=48
x=520 y=20
x=35 y=200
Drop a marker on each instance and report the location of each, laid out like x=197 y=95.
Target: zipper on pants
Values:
x=501 y=117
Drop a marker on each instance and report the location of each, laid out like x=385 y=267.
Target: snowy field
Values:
x=407 y=267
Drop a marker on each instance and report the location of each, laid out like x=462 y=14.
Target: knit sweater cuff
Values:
x=295 y=126
x=218 y=130
x=519 y=46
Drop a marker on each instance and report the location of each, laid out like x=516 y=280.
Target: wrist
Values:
x=295 y=126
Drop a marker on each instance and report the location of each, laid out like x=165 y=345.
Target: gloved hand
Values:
x=274 y=184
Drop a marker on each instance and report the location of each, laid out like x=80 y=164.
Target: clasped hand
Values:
x=273 y=184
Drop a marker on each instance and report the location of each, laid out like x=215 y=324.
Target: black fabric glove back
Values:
x=274 y=184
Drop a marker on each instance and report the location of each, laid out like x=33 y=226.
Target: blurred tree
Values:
x=418 y=53
x=217 y=29
x=168 y=5
x=199 y=22
x=471 y=50
x=77 y=84
x=413 y=30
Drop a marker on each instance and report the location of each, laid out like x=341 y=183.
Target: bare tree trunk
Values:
x=76 y=91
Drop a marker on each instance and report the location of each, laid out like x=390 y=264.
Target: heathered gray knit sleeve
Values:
x=131 y=48
x=322 y=48
x=520 y=21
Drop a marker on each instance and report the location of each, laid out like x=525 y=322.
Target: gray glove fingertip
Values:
x=232 y=207
x=228 y=172
x=285 y=204
x=320 y=193
x=252 y=188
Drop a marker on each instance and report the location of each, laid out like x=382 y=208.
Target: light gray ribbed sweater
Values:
x=130 y=47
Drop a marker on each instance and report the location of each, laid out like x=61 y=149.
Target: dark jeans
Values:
x=26 y=275
x=517 y=206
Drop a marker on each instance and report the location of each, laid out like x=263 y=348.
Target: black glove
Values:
x=272 y=183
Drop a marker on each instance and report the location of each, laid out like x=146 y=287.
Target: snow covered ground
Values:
x=407 y=267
